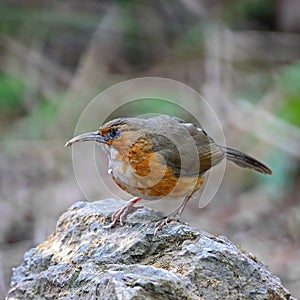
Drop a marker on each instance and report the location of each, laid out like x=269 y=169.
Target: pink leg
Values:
x=121 y=213
x=174 y=216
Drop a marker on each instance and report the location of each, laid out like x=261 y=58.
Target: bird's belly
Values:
x=158 y=183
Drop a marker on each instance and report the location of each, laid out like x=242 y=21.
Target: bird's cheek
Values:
x=120 y=144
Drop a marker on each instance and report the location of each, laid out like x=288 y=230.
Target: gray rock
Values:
x=82 y=260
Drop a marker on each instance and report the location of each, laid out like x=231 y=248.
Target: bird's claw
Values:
x=120 y=214
x=111 y=224
x=165 y=221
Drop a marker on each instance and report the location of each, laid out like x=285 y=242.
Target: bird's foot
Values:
x=166 y=220
x=121 y=213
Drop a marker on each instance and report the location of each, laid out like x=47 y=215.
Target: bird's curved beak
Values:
x=84 y=137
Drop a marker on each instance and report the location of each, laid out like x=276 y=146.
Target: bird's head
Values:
x=119 y=133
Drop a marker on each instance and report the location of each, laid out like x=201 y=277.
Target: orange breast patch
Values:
x=143 y=173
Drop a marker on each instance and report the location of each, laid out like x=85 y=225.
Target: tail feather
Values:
x=246 y=161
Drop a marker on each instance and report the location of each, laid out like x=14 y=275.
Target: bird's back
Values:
x=186 y=148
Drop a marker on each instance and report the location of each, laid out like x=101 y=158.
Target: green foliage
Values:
x=289 y=84
x=191 y=41
x=47 y=110
x=244 y=14
x=13 y=20
x=133 y=41
x=39 y=122
x=289 y=80
x=42 y=117
x=11 y=92
x=254 y=89
x=283 y=171
x=253 y=8
x=291 y=111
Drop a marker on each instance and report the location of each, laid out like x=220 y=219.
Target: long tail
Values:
x=246 y=161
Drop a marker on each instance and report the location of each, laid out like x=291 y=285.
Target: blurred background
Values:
x=242 y=56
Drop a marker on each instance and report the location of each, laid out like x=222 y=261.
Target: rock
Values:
x=83 y=260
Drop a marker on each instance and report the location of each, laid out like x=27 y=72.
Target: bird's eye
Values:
x=113 y=133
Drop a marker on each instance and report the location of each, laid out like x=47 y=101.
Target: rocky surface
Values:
x=83 y=260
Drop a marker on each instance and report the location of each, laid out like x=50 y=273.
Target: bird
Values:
x=161 y=157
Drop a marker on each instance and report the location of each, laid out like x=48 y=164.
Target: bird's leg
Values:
x=174 y=216
x=121 y=213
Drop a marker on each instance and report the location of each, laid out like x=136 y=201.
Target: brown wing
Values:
x=179 y=143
